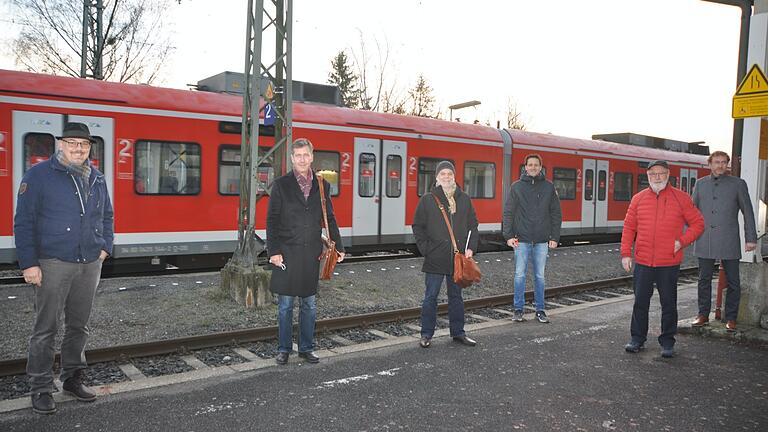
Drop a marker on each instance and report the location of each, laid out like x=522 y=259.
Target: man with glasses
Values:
x=720 y=197
x=63 y=231
x=654 y=224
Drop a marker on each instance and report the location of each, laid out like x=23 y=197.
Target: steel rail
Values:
x=185 y=344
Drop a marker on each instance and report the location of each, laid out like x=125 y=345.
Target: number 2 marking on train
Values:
x=345 y=157
x=412 y=165
x=125 y=151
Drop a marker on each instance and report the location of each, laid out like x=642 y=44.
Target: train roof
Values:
x=26 y=84
x=599 y=146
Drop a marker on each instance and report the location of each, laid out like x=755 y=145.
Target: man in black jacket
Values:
x=434 y=243
x=293 y=243
x=531 y=225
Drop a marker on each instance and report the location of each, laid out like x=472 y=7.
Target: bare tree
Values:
x=371 y=78
x=422 y=98
x=135 y=45
x=514 y=116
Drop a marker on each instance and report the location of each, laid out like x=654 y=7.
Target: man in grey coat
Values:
x=720 y=197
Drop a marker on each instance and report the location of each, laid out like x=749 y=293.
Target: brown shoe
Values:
x=730 y=326
x=701 y=320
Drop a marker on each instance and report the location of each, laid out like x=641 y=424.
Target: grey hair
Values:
x=301 y=143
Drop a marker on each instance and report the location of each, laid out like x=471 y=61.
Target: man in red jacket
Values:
x=655 y=223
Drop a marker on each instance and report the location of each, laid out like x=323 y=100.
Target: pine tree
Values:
x=342 y=76
x=422 y=98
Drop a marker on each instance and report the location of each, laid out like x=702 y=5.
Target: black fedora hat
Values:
x=76 y=130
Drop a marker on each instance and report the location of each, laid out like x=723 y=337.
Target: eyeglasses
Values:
x=73 y=144
x=658 y=174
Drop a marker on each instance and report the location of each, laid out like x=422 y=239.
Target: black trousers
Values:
x=733 y=293
x=665 y=279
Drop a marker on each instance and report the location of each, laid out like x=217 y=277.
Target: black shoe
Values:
x=282 y=358
x=633 y=347
x=75 y=387
x=541 y=316
x=425 y=342
x=310 y=357
x=42 y=403
x=464 y=340
x=668 y=352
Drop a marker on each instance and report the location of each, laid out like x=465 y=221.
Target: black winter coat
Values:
x=532 y=212
x=432 y=237
x=293 y=229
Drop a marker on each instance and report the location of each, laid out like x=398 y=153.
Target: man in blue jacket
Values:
x=531 y=225
x=63 y=231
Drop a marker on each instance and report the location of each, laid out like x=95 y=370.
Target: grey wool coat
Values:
x=720 y=199
x=293 y=230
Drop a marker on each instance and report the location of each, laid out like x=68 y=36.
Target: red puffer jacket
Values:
x=653 y=223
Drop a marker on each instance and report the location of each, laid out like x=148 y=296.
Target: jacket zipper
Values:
x=79 y=193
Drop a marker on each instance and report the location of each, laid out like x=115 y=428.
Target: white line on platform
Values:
x=354 y=379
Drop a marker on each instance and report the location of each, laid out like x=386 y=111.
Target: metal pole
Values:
x=99 y=49
x=84 y=48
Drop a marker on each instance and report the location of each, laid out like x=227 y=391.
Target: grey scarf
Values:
x=81 y=173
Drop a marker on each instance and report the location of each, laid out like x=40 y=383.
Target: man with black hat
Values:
x=434 y=242
x=654 y=224
x=63 y=231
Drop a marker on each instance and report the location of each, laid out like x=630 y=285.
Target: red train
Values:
x=171 y=158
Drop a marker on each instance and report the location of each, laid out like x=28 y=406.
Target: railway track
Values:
x=19 y=280
x=164 y=347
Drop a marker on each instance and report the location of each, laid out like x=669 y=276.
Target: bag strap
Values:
x=320 y=182
x=447 y=223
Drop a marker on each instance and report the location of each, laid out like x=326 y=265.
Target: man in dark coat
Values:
x=531 y=225
x=294 y=225
x=434 y=243
x=64 y=232
x=720 y=197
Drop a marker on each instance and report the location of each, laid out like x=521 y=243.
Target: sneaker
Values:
x=542 y=317
x=43 y=403
x=667 y=352
x=518 y=315
x=633 y=347
x=74 y=386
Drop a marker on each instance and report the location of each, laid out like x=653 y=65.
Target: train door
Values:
x=687 y=179
x=378 y=207
x=102 y=130
x=594 y=200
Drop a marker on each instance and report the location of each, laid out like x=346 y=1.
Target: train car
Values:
x=171 y=159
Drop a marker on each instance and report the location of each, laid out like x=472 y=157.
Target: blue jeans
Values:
x=429 y=305
x=523 y=253
x=307 y=315
x=665 y=279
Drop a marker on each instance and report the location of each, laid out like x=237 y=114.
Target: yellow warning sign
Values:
x=751 y=98
x=754 y=82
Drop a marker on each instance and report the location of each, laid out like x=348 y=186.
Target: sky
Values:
x=665 y=68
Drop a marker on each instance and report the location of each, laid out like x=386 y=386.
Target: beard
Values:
x=658 y=187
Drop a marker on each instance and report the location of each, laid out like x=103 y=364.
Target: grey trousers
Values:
x=67 y=288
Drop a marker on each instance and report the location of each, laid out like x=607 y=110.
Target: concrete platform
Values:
x=570 y=375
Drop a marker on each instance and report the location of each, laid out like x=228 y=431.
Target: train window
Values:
x=622 y=186
x=589 y=185
x=480 y=179
x=97 y=153
x=564 y=180
x=229 y=169
x=366 y=175
x=37 y=148
x=642 y=181
x=692 y=184
x=673 y=181
x=167 y=168
x=684 y=184
x=327 y=163
x=394 y=176
x=426 y=179
x=237 y=127
x=602 y=184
